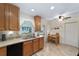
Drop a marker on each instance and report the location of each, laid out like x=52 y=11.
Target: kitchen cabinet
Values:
x=37 y=20
x=14 y=18
x=9 y=17
x=3 y=51
x=2 y=19
x=41 y=42
x=35 y=45
x=27 y=48
x=32 y=46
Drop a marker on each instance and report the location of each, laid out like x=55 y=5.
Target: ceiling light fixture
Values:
x=52 y=7
x=32 y=9
x=61 y=18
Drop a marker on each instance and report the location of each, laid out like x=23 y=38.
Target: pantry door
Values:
x=71 y=33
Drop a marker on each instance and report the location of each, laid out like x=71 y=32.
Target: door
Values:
x=71 y=33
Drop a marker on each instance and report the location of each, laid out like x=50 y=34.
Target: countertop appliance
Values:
x=2 y=37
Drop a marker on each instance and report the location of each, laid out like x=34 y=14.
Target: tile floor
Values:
x=51 y=49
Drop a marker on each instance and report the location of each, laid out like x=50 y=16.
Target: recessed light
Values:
x=52 y=7
x=32 y=9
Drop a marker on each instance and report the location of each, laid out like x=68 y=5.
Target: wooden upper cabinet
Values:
x=2 y=20
x=14 y=18
x=7 y=15
x=10 y=17
x=37 y=20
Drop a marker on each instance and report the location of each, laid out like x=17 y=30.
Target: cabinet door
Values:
x=2 y=20
x=37 y=23
x=11 y=17
x=14 y=18
x=7 y=15
x=35 y=45
x=41 y=43
x=3 y=51
x=27 y=48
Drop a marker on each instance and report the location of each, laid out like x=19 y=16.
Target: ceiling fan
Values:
x=61 y=18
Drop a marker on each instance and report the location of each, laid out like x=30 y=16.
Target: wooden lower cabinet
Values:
x=27 y=48
x=32 y=46
x=35 y=45
x=3 y=51
x=41 y=42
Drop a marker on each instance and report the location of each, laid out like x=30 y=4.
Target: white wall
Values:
x=44 y=22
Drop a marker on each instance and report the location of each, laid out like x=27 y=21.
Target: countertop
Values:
x=14 y=41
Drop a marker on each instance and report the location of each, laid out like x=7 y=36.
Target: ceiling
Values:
x=43 y=9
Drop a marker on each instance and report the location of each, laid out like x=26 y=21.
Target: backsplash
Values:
x=1 y=35
x=15 y=34
x=9 y=34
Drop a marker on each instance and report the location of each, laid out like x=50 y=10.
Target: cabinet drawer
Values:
x=27 y=42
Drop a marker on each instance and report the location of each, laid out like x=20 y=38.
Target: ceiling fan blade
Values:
x=67 y=17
